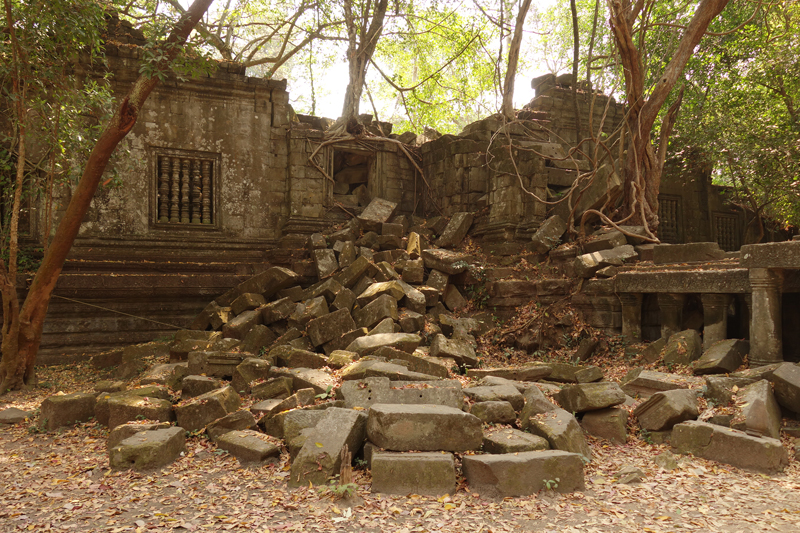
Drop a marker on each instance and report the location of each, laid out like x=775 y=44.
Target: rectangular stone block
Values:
x=524 y=473
x=427 y=473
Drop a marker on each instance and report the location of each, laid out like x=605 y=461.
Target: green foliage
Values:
x=327 y=394
x=336 y=490
x=551 y=484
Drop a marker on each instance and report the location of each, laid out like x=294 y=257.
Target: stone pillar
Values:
x=671 y=306
x=715 y=318
x=631 y=315
x=766 y=345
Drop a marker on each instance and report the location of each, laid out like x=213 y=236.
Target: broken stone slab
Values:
x=127 y=407
x=250 y=370
x=197 y=413
x=123 y=431
x=325 y=262
x=757 y=373
x=384 y=306
x=535 y=403
x=247 y=302
x=610 y=424
x=644 y=383
x=729 y=446
x=369 y=367
x=321 y=456
x=587 y=265
x=414 y=272
x=376 y=214
x=585 y=349
x=630 y=474
x=432 y=366
x=296 y=426
x=345 y=299
x=652 y=352
x=101 y=408
x=370 y=391
x=148 y=449
x=505 y=393
x=561 y=430
x=445 y=261
x=277 y=310
x=786 y=382
x=462 y=352
x=239 y=326
x=411 y=322
x=569 y=373
x=683 y=348
x=316 y=241
x=438 y=280
x=590 y=396
x=494 y=412
x=723 y=357
x=357 y=269
x=344 y=341
x=758 y=411
x=423 y=427
x=308 y=310
x=133 y=357
x=386 y=325
x=248 y=446
x=308 y=378
x=110 y=386
x=721 y=389
x=426 y=473
x=406 y=342
x=392 y=288
x=267 y=283
x=341 y=358
x=168 y=374
x=524 y=473
x=280 y=387
x=295 y=358
x=519 y=373
x=12 y=415
x=237 y=420
x=509 y=440
x=196 y=385
x=67 y=409
x=687 y=253
x=455 y=231
x=665 y=409
x=453 y=299
x=548 y=235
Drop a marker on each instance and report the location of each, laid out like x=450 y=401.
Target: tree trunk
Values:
x=644 y=163
x=513 y=58
x=576 y=50
x=359 y=54
x=24 y=334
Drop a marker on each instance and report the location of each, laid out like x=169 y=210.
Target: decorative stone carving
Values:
x=206 y=200
x=185 y=191
x=163 y=190
x=196 y=193
x=174 y=208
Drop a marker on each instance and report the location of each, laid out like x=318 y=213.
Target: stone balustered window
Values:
x=725 y=232
x=186 y=185
x=669 y=219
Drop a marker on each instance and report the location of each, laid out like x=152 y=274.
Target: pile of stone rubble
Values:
x=365 y=359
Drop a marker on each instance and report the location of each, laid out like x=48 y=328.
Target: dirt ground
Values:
x=61 y=481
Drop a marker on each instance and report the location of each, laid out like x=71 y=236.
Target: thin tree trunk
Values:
x=513 y=58
x=591 y=44
x=18 y=365
x=575 y=57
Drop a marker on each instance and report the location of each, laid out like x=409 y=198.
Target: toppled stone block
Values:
x=645 y=383
x=296 y=358
x=587 y=265
x=729 y=446
x=428 y=473
x=605 y=241
x=462 y=352
x=508 y=440
x=665 y=409
x=453 y=299
x=455 y=231
x=432 y=366
x=309 y=378
x=590 y=396
x=168 y=374
x=367 y=368
x=438 y=280
x=320 y=457
x=12 y=415
x=237 y=420
x=494 y=412
x=721 y=389
x=247 y=302
x=325 y=262
x=445 y=261
x=376 y=213
x=148 y=449
x=687 y=253
x=67 y=409
x=723 y=357
x=652 y=352
x=341 y=358
x=758 y=411
x=683 y=348
x=280 y=387
x=384 y=306
x=568 y=373
x=250 y=370
x=215 y=364
x=411 y=322
x=277 y=310
x=238 y=327
x=548 y=235
x=369 y=391
x=423 y=427
x=259 y=337
x=123 y=431
x=786 y=381
x=198 y=412
x=505 y=393
x=561 y=430
x=248 y=446
x=196 y=385
x=308 y=310
x=406 y=342
x=414 y=271
x=127 y=407
x=610 y=424
x=535 y=403
x=523 y=473
x=295 y=426
x=519 y=373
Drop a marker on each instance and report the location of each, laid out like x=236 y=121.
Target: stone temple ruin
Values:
x=337 y=274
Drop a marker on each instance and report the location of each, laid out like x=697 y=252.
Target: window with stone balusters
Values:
x=186 y=190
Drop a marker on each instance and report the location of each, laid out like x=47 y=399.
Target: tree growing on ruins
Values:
x=22 y=324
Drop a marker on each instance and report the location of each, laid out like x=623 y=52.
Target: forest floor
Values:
x=61 y=481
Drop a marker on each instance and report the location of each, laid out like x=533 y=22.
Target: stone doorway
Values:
x=353 y=174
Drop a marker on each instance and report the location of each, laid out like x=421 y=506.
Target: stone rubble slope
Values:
x=369 y=355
